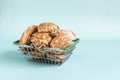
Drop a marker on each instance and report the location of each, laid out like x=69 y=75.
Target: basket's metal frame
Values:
x=30 y=51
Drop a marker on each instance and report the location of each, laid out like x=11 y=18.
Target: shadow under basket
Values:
x=55 y=56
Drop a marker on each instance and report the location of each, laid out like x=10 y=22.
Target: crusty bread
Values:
x=69 y=33
x=63 y=38
x=61 y=41
x=47 y=27
x=27 y=33
x=48 y=34
x=41 y=39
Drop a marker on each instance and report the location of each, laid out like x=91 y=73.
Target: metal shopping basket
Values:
x=45 y=54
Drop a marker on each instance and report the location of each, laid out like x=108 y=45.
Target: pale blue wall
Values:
x=90 y=19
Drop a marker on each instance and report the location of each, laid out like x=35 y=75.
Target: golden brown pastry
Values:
x=47 y=27
x=69 y=33
x=39 y=39
x=27 y=33
x=61 y=41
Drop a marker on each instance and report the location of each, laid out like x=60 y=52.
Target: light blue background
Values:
x=96 y=23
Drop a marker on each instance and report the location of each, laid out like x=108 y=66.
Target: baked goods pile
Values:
x=45 y=42
x=47 y=34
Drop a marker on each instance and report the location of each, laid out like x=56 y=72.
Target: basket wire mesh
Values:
x=45 y=55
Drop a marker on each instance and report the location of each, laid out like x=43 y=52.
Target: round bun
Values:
x=39 y=39
x=47 y=27
x=68 y=33
x=27 y=33
x=61 y=41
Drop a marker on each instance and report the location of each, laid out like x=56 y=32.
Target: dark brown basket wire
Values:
x=45 y=55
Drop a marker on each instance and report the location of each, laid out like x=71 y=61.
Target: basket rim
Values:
x=75 y=42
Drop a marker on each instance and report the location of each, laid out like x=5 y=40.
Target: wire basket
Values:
x=47 y=55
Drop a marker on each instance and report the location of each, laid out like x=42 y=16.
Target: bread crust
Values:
x=41 y=39
x=27 y=33
x=47 y=27
x=68 y=33
x=61 y=41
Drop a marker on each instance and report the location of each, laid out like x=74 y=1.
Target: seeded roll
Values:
x=68 y=33
x=61 y=41
x=47 y=27
x=41 y=39
x=27 y=33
